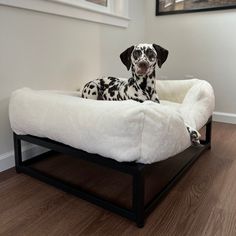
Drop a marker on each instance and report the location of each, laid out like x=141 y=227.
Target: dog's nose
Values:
x=143 y=64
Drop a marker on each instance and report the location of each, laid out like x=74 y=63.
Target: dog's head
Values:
x=143 y=58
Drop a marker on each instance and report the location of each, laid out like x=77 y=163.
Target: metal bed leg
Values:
x=208 y=129
x=138 y=198
x=208 y=133
x=18 y=153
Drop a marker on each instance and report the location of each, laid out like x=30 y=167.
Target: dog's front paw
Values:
x=194 y=135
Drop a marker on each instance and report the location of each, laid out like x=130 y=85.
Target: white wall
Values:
x=200 y=44
x=45 y=51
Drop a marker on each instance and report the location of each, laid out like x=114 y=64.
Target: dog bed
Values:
x=122 y=130
x=52 y=119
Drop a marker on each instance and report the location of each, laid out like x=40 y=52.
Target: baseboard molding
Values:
x=224 y=117
x=7 y=159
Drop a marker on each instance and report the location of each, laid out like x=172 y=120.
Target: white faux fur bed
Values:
x=122 y=130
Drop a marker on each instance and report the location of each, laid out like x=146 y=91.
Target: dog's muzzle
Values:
x=142 y=67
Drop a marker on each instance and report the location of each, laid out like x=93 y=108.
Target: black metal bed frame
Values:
x=139 y=210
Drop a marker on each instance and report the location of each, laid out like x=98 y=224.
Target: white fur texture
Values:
x=122 y=130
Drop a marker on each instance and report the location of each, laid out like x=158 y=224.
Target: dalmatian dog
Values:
x=142 y=59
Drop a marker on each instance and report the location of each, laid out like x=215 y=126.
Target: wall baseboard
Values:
x=224 y=117
x=7 y=160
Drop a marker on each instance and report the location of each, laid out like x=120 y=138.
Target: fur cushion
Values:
x=122 y=130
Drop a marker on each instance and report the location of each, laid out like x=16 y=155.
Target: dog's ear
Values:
x=162 y=54
x=126 y=57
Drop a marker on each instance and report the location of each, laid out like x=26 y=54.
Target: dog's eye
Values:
x=151 y=55
x=136 y=54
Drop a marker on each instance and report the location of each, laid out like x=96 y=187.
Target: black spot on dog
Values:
x=136 y=89
x=126 y=88
x=99 y=96
x=143 y=85
x=137 y=100
x=152 y=75
x=131 y=81
x=194 y=134
x=119 y=97
x=102 y=85
x=152 y=81
x=85 y=91
x=94 y=93
x=91 y=86
x=112 y=90
x=150 y=91
x=112 y=79
x=89 y=92
x=136 y=95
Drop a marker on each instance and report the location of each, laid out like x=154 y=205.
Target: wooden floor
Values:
x=202 y=203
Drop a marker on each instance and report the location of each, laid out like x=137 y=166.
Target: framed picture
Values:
x=164 y=7
x=99 y=2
